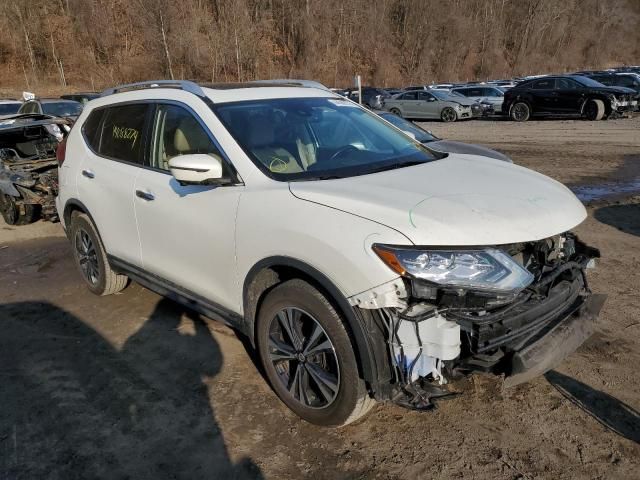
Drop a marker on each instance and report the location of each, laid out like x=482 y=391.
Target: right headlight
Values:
x=488 y=269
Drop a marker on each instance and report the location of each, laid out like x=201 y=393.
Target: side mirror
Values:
x=196 y=169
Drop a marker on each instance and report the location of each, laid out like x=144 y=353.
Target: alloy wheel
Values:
x=304 y=358
x=87 y=256
x=448 y=115
x=520 y=111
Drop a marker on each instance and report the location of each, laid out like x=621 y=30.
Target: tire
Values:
x=594 y=110
x=91 y=258
x=303 y=308
x=520 y=112
x=448 y=114
x=11 y=212
x=396 y=111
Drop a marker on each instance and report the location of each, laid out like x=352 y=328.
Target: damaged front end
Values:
x=515 y=310
x=28 y=166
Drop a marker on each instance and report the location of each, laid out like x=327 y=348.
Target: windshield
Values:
x=62 y=109
x=407 y=126
x=588 y=82
x=318 y=138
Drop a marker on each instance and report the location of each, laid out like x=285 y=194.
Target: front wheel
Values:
x=448 y=114
x=594 y=110
x=396 y=111
x=308 y=357
x=520 y=112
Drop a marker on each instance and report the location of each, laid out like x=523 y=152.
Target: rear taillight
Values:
x=61 y=151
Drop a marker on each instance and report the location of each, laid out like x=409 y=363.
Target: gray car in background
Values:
x=447 y=146
x=483 y=94
x=432 y=104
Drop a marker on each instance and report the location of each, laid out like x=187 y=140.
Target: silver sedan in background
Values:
x=446 y=146
x=432 y=104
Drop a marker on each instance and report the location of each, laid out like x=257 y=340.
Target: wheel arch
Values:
x=521 y=99
x=597 y=96
x=272 y=271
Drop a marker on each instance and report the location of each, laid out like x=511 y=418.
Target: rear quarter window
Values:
x=122 y=132
x=91 y=129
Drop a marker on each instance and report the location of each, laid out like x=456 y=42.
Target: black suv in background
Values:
x=566 y=95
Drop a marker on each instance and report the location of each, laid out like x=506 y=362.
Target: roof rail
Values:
x=185 y=85
x=293 y=82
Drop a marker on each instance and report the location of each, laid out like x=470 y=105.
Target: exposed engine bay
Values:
x=28 y=167
x=438 y=334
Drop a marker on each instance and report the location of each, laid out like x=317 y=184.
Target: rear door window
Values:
x=546 y=84
x=123 y=128
x=409 y=96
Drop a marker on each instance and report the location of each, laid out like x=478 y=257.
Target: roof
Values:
x=243 y=92
x=228 y=92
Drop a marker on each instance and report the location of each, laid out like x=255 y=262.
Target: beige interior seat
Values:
x=261 y=141
x=190 y=138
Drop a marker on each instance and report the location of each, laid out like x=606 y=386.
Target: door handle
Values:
x=88 y=173
x=145 y=195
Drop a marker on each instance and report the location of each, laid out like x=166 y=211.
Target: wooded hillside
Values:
x=91 y=44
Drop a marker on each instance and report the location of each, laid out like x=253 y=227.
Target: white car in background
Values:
x=483 y=93
x=361 y=264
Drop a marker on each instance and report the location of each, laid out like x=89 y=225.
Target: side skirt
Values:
x=178 y=294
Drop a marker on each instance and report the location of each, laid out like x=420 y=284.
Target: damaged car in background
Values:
x=366 y=265
x=28 y=166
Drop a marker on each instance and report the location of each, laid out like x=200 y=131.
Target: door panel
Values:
x=428 y=108
x=187 y=232
x=107 y=177
x=544 y=95
x=106 y=189
x=570 y=96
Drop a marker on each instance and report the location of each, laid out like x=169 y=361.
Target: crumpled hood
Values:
x=459 y=200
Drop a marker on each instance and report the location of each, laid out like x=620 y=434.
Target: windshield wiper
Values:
x=394 y=166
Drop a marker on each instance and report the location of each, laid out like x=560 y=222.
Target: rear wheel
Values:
x=396 y=111
x=308 y=356
x=594 y=110
x=448 y=114
x=14 y=214
x=520 y=112
x=91 y=258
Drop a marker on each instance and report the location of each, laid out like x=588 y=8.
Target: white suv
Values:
x=361 y=265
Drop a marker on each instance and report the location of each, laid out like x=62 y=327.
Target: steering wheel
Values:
x=342 y=151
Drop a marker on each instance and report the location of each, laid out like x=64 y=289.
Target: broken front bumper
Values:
x=555 y=343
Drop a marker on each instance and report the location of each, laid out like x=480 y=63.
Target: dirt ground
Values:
x=133 y=386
